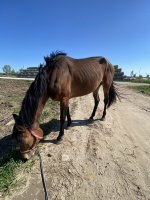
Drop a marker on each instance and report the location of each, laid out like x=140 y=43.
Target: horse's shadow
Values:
x=8 y=144
x=82 y=122
x=48 y=127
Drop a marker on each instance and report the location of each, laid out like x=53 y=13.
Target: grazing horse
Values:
x=61 y=78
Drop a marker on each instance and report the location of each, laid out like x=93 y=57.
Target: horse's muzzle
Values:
x=28 y=155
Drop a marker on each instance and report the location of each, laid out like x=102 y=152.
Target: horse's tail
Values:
x=113 y=95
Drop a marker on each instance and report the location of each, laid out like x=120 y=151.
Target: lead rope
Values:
x=42 y=176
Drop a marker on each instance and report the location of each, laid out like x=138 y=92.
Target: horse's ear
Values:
x=102 y=60
x=15 y=116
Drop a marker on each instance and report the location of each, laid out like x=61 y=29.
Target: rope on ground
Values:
x=42 y=176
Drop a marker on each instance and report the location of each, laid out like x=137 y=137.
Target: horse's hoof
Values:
x=103 y=119
x=68 y=126
x=57 y=142
x=59 y=139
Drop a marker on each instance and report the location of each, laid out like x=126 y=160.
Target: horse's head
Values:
x=26 y=138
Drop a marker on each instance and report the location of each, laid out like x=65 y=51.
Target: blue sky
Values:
x=116 y=29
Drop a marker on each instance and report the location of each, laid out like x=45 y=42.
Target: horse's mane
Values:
x=52 y=59
x=36 y=90
x=30 y=102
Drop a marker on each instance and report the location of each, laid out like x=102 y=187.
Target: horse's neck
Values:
x=40 y=108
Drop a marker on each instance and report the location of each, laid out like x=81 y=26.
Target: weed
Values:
x=44 y=115
x=16 y=110
x=145 y=89
x=138 y=80
x=8 y=171
x=50 y=111
x=12 y=171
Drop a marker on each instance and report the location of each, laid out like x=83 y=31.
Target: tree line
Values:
x=7 y=69
x=134 y=75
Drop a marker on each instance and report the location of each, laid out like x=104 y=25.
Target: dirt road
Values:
x=99 y=160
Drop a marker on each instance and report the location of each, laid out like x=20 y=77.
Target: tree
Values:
x=13 y=72
x=7 y=69
x=21 y=71
x=132 y=73
x=147 y=76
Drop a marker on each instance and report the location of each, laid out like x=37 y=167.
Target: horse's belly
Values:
x=83 y=89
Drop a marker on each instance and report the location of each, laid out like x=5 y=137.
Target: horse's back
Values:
x=86 y=75
x=76 y=77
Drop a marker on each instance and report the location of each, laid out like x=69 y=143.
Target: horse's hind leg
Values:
x=96 y=101
x=68 y=117
x=106 y=88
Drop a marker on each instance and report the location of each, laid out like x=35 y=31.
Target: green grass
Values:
x=50 y=114
x=50 y=111
x=16 y=110
x=9 y=166
x=45 y=115
x=12 y=168
x=144 y=89
x=8 y=178
x=139 y=80
x=12 y=172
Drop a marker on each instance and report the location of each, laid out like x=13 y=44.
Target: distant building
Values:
x=30 y=72
x=119 y=75
x=2 y=74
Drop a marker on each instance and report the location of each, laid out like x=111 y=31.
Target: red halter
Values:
x=36 y=139
x=35 y=135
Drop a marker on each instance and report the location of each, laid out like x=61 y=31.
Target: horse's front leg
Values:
x=68 y=118
x=63 y=113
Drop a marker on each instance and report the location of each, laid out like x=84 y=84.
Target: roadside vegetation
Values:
x=144 y=89
x=13 y=171
x=139 y=80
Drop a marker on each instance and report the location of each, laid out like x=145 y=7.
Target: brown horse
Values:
x=61 y=79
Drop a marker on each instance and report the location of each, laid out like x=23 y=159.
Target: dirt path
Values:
x=99 y=160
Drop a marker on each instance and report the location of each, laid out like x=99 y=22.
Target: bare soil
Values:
x=11 y=95
x=96 y=160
